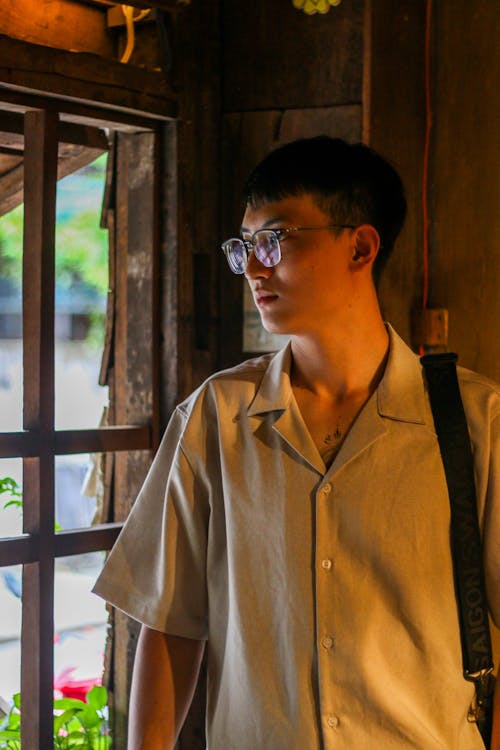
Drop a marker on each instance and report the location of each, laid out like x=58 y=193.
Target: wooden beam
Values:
x=84 y=78
x=37 y=661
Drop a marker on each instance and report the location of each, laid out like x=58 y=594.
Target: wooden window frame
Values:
x=38 y=444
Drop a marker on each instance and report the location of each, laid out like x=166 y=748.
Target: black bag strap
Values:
x=454 y=443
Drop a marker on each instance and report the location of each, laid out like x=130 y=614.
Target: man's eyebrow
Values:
x=273 y=220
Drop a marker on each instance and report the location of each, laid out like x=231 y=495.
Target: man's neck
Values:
x=343 y=361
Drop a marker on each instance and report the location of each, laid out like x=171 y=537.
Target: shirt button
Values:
x=326 y=564
x=327 y=642
x=333 y=721
x=327 y=488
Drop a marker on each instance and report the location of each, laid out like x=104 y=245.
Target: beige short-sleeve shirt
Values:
x=326 y=595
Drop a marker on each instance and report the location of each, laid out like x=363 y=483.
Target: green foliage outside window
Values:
x=78 y=725
x=81 y=245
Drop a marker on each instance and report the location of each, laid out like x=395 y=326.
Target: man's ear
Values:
x=365 y=245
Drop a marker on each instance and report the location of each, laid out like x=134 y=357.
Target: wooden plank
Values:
x=83 y=78
x=275 y=57
x=19 y=549
x=58 y=23
x=37 y=665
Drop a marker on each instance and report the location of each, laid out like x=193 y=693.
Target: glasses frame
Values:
x=251 y=243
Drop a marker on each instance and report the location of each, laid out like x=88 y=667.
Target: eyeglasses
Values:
x=265 y=244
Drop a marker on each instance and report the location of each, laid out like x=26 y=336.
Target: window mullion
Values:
x=37 y=659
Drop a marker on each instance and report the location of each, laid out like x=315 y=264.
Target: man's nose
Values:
x=255 y=269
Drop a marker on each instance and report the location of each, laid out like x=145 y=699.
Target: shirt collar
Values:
x=400 y=394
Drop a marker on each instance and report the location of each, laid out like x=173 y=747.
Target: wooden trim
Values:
x=85 y=78
x=29 y=444
x=37 y=634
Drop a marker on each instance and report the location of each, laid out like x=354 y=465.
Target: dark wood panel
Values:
x=197 y=52
x=277 y=57
x=465 y=274
x=395 y=126
x=81 y=77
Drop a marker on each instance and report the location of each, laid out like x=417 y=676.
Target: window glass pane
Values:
x=81 y=290
x=10 y=633
x=80 y=490
x=80 y=629
x=11 y=354
x=11 y=515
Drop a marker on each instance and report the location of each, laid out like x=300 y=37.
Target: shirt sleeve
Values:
x=156 y=571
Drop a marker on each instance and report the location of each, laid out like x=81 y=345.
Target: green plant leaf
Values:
x=16 y=503
x=66 y=703
x=8 y=734
x=97 y=697
x=16 y=700
x=7 y=484
x=62 y=719
x=77 y=739
x=89 y=717
x=14 y=720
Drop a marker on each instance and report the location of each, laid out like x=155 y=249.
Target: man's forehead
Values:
x=276 y=213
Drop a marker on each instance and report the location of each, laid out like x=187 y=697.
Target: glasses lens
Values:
x=267 y=247
x=236 y=255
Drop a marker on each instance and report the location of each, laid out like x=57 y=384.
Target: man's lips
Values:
x=262 y=297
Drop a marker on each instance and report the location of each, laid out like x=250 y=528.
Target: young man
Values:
x=296 y=518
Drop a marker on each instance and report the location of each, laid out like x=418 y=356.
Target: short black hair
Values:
x=348 y=181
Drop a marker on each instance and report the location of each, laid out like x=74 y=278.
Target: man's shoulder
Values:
x=480 y=395
x=232 y=384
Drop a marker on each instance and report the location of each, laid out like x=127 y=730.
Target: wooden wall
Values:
x=466 y=263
